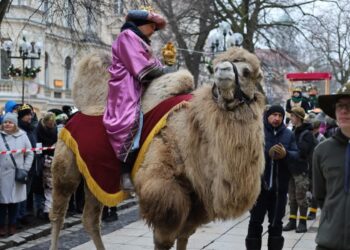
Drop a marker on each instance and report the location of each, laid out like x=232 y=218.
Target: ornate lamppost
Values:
x=221 y=38
x=27 y=50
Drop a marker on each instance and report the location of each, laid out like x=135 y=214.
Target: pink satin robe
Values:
x=132 y=60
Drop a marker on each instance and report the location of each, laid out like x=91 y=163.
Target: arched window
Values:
x=68 y=69
x=47 y=73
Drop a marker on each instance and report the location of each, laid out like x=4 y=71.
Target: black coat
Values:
x=274 y=136
x=306 y=145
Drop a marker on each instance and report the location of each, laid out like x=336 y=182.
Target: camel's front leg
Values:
x=92 y=218
x=66 y=179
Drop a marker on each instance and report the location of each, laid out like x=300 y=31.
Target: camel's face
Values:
x=236 y=78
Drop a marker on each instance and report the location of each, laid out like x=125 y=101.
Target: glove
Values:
x=277 y=152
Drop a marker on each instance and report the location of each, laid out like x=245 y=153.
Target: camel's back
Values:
x=91 y=85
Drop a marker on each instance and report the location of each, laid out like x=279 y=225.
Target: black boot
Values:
x=311 y=216
x=301 y=227
x=253 y=243
x=292 y=224
x=275 y=243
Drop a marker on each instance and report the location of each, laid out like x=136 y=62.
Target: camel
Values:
x=204 y=165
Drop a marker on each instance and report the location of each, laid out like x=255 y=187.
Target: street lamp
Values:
x=27 y=51
x=221 y=38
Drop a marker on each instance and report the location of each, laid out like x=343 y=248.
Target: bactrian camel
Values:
x=204 y=165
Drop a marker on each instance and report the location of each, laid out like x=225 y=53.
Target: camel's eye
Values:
x=246 y=72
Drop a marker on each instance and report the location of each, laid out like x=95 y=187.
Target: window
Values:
x=69 y=13
x=118 y=7
x=5 y=64
x=47 y=73
x=91 y=14
x=68 y=69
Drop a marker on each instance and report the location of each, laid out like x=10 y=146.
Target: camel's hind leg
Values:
x=92 y=218
x=66 y=178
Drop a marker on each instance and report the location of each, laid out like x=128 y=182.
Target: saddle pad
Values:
x=87 y=138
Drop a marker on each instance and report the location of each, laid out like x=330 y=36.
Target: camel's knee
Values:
x=164 y=203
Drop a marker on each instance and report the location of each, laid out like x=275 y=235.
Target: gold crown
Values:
x=148 y=8
x=24 y=107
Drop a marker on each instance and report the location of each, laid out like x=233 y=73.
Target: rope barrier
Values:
x=24 y=150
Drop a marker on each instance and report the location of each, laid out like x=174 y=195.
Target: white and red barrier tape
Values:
x=14 y=151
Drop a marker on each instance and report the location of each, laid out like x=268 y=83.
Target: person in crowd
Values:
x=46 y=135
x=331 y=175
x=280 y=148
x=313 y=93
x=11 y=191
x=299 y=183
x=133 y=67
x=61 y=120
x=319 y=137
x=10 y=106
x=109 y=214
x=25 y=116
x=331 y=127
x=297 y=100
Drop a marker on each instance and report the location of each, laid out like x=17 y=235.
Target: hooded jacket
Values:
x=328 y=189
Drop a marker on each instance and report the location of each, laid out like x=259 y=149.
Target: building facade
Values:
x=68 y=30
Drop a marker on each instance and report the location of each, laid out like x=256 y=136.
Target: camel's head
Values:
x=238 y=78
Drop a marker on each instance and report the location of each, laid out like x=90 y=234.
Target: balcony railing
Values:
x=34 y=92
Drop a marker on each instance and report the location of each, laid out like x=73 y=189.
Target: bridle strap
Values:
x=239 y=94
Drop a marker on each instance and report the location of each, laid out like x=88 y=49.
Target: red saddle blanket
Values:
x=86 y=136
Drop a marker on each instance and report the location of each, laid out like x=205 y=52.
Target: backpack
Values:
x=314 y=144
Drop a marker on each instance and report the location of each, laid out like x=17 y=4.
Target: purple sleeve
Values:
x=134 y=54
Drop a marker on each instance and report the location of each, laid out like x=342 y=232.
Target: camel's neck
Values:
x=225 y=147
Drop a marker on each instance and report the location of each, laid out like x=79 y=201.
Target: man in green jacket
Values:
x=331 y=175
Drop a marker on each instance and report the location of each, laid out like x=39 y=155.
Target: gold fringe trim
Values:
x=292 y=216
x=104 y=197
x=160 y=124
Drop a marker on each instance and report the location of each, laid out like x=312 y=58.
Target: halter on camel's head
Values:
x=237 y=78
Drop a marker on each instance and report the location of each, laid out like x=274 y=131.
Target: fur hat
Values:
x=299 y=112
x=24 y=110
x=327 y=102
x=275 y=109
x=141 y=17
x=12 y=117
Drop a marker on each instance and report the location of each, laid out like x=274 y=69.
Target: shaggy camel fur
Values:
x=91 y=77
x=204 y=165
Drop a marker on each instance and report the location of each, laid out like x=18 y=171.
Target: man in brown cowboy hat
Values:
x=331 y=175
x=299 y=183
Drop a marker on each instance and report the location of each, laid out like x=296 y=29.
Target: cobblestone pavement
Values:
x=213 y=236
x=131 y=233
x=73 y=234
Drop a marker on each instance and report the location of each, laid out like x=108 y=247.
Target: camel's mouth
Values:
x=227 y=88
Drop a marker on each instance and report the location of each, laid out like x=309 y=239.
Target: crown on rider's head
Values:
x=149 y=8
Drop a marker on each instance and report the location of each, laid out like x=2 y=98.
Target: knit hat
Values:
x=12 y=117
x=327 y=102
x=10 y=106
x=141 y=17
x=275 y=109
x=299 y=112
x=24 y=110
